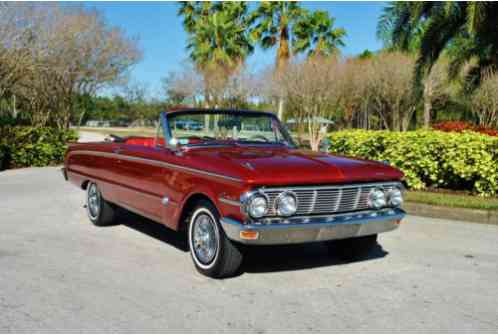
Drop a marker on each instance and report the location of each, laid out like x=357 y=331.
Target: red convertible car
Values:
x=230 y=178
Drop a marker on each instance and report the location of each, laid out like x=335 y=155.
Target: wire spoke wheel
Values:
x=93 y=201
x=214 y=255
x=205 y=239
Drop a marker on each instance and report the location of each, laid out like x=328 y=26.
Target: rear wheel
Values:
x=351 y=248
x=100 y=212
x=214 y=255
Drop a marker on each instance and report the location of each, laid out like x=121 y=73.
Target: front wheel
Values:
x=214 y=255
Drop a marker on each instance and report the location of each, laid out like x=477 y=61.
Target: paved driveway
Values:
x=60 y=273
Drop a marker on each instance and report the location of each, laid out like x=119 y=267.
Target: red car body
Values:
x=334 y=197
x=217 y=173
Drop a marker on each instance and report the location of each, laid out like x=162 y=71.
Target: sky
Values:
x=163 y=40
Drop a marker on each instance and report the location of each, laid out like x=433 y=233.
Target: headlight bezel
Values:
x=400 y=196
x=247 y=200
x=379 y=202
x=278 y=200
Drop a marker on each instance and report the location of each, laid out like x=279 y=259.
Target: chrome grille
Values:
x=327 y=199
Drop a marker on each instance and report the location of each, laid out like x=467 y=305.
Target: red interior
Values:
x=145 y=141
x=151 y=141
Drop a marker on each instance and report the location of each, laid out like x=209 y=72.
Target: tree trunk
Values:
x=283 y=55
x=427 y=113
x=395 y=120
x=14 y=109
x=427 y=103
x=281 y=109
x=82 y=115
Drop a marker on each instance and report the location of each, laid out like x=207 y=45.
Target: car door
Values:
x=144 y=175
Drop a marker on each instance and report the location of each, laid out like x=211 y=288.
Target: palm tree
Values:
x=465 y=31
x=316 y=34
x=218 y=41
x=274 y=22
x=273 y=27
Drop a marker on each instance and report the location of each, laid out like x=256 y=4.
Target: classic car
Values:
x=236 y=180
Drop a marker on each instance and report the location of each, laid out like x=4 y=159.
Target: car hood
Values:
x=283 y=166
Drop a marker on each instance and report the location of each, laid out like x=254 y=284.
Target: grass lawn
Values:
x=122 y=131
x=452 y=200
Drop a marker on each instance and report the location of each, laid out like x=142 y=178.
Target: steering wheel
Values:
x=259 y=137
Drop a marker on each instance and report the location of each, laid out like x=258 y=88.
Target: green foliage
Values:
x=460 y=161
x=465 y=31
x=274 y=21
x=217 y=32
x=116 y=109
x=366 y=54
x=28 y=146
x=315 y=33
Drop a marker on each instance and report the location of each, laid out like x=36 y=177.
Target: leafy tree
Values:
x=274 y=24
x=466 y=30
x=51 y=54
x=315 y=33
x=218 y=40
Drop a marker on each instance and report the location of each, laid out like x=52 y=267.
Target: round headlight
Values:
x=286 y=204
x=376 y=198
x=395 y=197
x=257 y=206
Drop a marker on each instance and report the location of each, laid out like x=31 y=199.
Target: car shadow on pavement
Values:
x=300 y=257
x=153 y=229
x=257 y=259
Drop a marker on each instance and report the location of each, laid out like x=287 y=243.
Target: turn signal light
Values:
x=249 y=235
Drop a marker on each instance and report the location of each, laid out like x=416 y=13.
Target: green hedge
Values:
x=459 y=161
x=28 y=146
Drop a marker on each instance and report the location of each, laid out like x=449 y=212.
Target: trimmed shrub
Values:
x=28 y=146
x=460 y=161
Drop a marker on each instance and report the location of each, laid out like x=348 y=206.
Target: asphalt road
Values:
x=60 y=273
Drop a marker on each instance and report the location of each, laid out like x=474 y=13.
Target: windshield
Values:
x=197 y=128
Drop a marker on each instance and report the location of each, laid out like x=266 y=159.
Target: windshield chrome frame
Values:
x=166 y=131
x=168 y=136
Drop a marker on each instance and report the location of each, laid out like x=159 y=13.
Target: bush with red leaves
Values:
x=459 y=126
x=487 y=131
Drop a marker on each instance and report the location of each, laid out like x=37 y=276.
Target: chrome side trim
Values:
x=154 y=196
x=156 y=163
x=230 y=202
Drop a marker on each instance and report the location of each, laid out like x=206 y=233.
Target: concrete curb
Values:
x=451 y=213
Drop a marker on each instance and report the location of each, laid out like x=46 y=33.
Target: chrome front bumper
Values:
x=313 y=228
